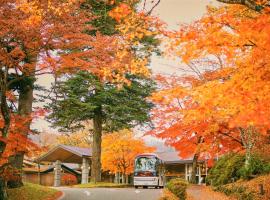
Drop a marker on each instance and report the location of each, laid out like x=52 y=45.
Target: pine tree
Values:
x=83 y=97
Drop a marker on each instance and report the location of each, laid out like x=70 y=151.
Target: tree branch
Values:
x=151 y=10
x=233 y=138
x=251 y=4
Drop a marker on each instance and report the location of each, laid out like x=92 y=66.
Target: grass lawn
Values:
x=102 y=185
x=33 y=192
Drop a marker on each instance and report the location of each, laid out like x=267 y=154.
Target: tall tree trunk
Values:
x=127 y=180
x=195 y=160
x=194 y=168
x=96 y=150
x=5 y=115
x=249 y=138
x=248 y=158
x=3 y=192
x=5 y=112
x=24 y=109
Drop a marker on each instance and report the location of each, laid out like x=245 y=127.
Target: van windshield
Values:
x=146 y=164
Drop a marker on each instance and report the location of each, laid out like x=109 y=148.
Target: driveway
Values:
x=197 y=192
x=109 y=194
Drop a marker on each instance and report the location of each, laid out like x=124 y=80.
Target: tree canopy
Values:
x=119 y=150
x=78 y=98
x=83 y=97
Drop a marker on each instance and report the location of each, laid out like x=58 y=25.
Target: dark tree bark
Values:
x=25 y=103
x=251 y=4
x=195 y=161
x=3 y=192
x=5 y=114
x=194 y=168
x=96 y=150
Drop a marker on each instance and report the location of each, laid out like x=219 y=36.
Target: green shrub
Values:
x=266 y=168
x=256 y=166
x=226 y=169
x=178 y=187
x=231 y=167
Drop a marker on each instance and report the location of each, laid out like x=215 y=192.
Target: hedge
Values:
x=168 y=195
x=178 y=187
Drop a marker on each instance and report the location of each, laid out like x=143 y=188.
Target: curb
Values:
x=61 y=196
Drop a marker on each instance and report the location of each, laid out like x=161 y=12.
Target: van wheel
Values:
x=145 y=187
x=136 y=187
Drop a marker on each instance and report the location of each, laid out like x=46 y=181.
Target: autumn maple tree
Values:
x=29 y=31
x=119 y=150
x=80 y=138
x=220 y=104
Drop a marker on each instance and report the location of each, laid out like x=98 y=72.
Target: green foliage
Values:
x=226 y=169
x=106 y=25
x=231 y=167
x=19 y=82
x=256 y=166
x=79 y=97
x=266 y=168
x=102 y=22
x=178 y=187
x=239 y=192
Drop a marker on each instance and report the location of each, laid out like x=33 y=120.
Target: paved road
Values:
x=197 y=192
x=110 y=194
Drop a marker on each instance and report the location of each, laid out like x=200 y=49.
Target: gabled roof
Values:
x=78 y=150
x=65 y=153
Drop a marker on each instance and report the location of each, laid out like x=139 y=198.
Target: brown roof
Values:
x=65 y=153
x=78 y=150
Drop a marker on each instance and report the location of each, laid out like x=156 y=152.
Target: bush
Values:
x=68 y=179
x=168 y=195
x=239 y=192
x=266 y=168
x=178 y=187
x=226 y=169
x=231 y=167
x=256 y=166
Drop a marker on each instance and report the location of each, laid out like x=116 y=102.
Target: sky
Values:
x=172 y=12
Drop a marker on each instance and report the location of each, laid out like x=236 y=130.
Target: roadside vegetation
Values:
x=248 y=190
x=33 y=192
x=230 y=176
x=168 y=195
x=175 y=189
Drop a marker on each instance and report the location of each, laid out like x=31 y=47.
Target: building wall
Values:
x=179 y=171
x=46 y=179
x=31 y=178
